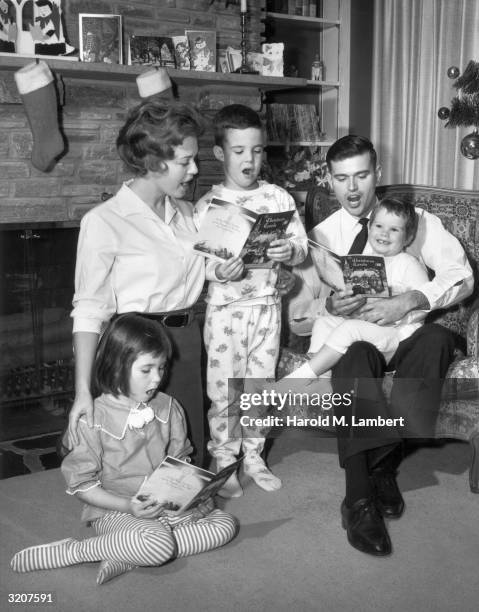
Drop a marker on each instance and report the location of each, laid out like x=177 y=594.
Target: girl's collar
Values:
x=140 y=415
x=129 y=413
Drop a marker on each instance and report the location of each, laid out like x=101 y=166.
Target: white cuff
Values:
x=153 y=82
x=304 y=371
x=33 y=76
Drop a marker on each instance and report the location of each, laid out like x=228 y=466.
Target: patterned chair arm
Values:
x=289 y=360
x=473 y=333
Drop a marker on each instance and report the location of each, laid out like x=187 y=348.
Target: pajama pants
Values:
x=242 y=342
x=123 y=537
x=124 y=542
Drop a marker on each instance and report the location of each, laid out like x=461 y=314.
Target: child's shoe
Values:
x=255 y=468
x=45 y=556
x=232 y=487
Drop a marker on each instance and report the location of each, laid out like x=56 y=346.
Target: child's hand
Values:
x=148 y=508
x=280 y=250
x=230 y=270
x=202 y=509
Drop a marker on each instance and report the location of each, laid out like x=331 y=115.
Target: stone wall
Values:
x=91 y=112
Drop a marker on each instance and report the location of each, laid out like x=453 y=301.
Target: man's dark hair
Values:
x=234 y=116
x=350 y=146
x=402 y=209
x=125 y=338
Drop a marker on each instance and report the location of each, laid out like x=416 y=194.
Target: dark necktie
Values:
x=360 y=241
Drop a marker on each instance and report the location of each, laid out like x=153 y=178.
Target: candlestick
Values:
x=244 y=68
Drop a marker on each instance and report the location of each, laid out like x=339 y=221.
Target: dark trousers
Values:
x=184 y=382
x=420 y=362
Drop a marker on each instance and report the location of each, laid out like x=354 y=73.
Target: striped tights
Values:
x=124 y=541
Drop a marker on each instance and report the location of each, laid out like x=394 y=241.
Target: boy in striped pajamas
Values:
x=243 y=316
x=135 y=427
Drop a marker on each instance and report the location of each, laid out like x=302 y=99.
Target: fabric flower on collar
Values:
x=140 y=416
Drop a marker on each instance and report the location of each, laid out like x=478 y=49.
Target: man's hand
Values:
x=285 y=281
x=231 y=270
x=344 y=303
x=385 y=311
x=280 y=250
x=83 y=405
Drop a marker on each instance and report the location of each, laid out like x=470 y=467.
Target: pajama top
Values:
x=259 y=284
x=117 y=458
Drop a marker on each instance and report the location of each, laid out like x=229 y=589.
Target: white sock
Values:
x=110 y=569
x=255 y=467
x=303 y=371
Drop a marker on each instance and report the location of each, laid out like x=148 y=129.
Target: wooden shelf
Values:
x=314 y=23
x=112 y=73
x=300 y=143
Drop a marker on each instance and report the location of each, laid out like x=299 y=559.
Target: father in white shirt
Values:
x=370 y=456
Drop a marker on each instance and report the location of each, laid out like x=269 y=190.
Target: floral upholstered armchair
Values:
x=459 y=211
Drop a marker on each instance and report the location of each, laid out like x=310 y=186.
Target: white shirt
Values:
x=128 y=259
x=433 y=246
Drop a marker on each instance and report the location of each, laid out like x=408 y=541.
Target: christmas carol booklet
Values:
x=228 y=230
x=182 y=486
x=364 y=274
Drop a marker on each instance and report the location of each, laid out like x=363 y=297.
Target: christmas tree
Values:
x=465 y=106
x=464 y=110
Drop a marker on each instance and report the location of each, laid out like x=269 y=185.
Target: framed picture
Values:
x=101 y=38
x=144 y=50
x=182 y=52
x=202 y=49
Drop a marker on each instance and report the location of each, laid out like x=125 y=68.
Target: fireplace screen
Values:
x=36 y=284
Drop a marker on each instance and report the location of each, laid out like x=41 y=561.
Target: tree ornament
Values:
x=453 y=72
x=443 y=112
x=470 y=145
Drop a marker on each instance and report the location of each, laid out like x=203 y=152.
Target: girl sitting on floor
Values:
x=135 y=427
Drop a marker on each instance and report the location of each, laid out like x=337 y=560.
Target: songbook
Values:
x=364 y=274
x=229 y=230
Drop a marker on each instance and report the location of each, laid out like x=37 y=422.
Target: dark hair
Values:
x=125 y=338
x=151 y=132
x=350 y=146
x=402 y=209
x=237 y=117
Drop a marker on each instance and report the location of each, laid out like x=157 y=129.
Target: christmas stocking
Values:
x=154 y=82
x=35 y=85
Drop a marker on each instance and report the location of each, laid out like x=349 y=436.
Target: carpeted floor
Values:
x=291 y=553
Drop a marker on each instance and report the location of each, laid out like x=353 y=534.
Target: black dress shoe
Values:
x=389 y=500
x=365 y=528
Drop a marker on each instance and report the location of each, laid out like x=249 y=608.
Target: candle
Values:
x=243 y=6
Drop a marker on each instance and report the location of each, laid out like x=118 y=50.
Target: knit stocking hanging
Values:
x=37 y=89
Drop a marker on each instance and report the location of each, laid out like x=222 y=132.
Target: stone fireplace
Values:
x=40 y=212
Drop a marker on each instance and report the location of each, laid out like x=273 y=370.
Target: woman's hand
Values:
x=231 y=270
x=285 y=281
x=83 y=405
x=280 y=250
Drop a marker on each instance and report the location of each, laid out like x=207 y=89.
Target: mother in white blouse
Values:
x=134 y=255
